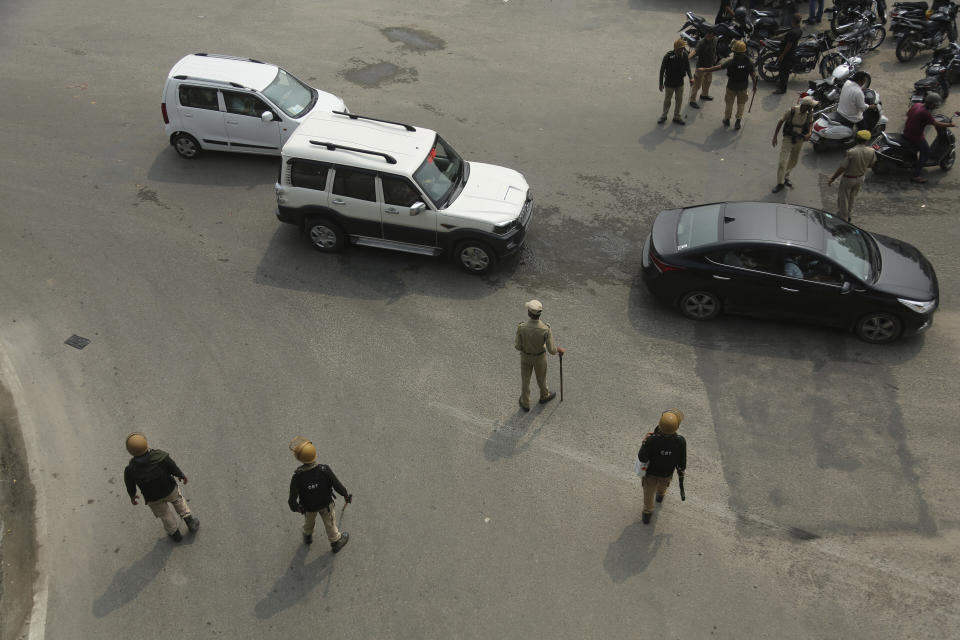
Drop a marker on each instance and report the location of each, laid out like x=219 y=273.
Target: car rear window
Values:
x=698 y=226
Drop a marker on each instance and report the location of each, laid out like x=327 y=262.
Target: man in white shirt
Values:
x=852 y=103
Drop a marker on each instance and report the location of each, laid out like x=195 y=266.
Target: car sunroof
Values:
x=791 y=225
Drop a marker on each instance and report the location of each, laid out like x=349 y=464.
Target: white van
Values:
x=236 y=104
x=351 y=178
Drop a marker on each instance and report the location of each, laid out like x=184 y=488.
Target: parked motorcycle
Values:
x=827 y=91
x=894 y=151
x=941 y=72
x=833 y=131
x=845 y=11
x=726 y=33
x=905 y=15
x=863 y=34
x=929 y=34
x=808 y=57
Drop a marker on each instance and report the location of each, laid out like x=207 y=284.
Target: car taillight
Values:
x=662 y=266
x=163 y=110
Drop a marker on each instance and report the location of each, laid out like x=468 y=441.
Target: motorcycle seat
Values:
x=898 y=139
x=912 y=5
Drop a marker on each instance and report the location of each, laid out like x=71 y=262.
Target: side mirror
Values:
x=417 y=208
x=846 y=287
x=266 y=116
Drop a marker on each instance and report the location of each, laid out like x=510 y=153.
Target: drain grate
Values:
x=77 y=342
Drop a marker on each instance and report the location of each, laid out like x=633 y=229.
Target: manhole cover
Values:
x=76 y=341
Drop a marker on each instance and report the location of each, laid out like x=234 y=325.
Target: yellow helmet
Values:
x=303 y=449
x=739 y=46
x=670 y=421
x=136 y=444
x=679 y=43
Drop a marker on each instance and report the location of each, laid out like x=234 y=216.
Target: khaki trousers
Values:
x=529 y=364
x=849 y=188
x=329 y=518
x=653 y=486
x=728 y=98
x=671 y=92
x=701 y=81
x=789 y=154
x=168 y=508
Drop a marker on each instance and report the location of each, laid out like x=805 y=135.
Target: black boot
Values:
x=341 y=543
x=646 y=518
x=176 y=536
x=193 y=523
x=659 y=498
x=308 y=538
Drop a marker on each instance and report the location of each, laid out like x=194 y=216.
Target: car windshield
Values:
x=292 y=96
x=849 y=247
x=440 y=172
x=698 y=226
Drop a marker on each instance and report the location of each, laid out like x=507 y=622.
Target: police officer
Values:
x=854 y=168
x=311 y=493
x=153 y=471
x=662 y=451
x=674 y=66
x=534 y=340
x=796 y=124
x=739 y=71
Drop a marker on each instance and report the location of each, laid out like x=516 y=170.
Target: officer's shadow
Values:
x=297 y=583
x=128 y=582
x=631 y=553
x=513 y=435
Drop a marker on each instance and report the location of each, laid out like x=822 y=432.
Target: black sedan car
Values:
x=787 y=261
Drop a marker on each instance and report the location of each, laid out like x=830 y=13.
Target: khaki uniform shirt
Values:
x=799 y=120
x=533 y=336
x=859 y=159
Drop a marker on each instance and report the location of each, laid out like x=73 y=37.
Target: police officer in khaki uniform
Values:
x=534 y=340
x=855 y=165
x=797 y=125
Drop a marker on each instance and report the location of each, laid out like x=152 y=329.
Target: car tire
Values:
x=879 y=328
x=474 y=257
x=700 y=305
x=907 y=48
x=324 y=235
x=186 y=145
x=947 y=163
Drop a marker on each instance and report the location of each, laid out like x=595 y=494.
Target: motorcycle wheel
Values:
x=767 y=74
x=882 y=167
x=907 y=48
x=944 y=90
x=877 y=35
x=753 y=52
x=829 y=62
x=820 y=146
x=947 y=163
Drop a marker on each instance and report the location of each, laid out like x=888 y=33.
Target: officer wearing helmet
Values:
x=311 y=493
x=662 y=451
x=739 y=72
x=153 y=471
x=534 y=340
x=918 y=117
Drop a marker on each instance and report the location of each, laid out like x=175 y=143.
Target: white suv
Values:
x=236 y=104
x=386 y=184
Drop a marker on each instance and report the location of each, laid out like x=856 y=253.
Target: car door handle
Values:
x=790 y=290
x=716 y=277
x=233 y=122
x=391 y=210
x=335 y=201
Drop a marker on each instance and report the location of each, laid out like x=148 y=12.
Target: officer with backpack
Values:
x=311 y=493
x=797 y=125
x=739 y=71
x=154 y=472
x=661 y=452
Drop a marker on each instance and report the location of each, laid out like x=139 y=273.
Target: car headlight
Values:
x=918 y=306
x=504 y=227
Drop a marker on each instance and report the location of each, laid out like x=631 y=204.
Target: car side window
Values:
x=244 y=104
x=748 y=258
x=354 y=184
x=198 y=97
x=309 y=175
x=808 y=266
x=398 y=191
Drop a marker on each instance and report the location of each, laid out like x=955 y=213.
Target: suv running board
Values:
x=396 y=246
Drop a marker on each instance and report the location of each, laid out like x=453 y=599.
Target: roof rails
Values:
x=356 y=116
x=333 y=147
x=222 y=82
x=218 y=55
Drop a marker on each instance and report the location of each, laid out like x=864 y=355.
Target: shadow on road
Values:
x=215 y=169
x=512 y=436
x=297 y=583
x=130 y=581
x=631 y=553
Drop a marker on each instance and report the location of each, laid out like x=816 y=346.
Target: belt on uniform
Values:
x=859 y=176
x=534 y=354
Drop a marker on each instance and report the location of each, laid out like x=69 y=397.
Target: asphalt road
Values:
x=820 y=485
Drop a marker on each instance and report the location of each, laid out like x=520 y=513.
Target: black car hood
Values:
x=904 y=272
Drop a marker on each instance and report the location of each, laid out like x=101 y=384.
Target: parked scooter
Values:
x=833 y=131
x=929 y=34
x=893 y=151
